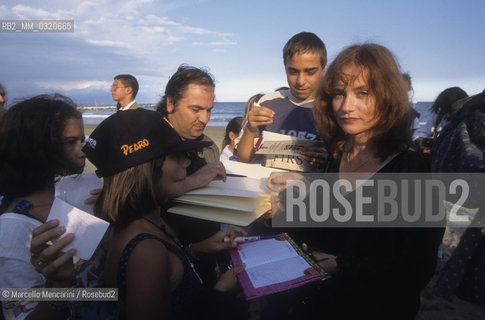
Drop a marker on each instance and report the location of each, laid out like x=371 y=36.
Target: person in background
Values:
x=123 y=91
x=460 y=148
x=407 y=79
x=413 y=113
x=3 y=100
x=187 y=105
x=228 y=144
x=290 y=111
x=146 y=261
x=249 y=106
x=441 y=112
x=40 y=141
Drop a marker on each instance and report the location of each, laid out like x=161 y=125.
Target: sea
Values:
x=222 y=112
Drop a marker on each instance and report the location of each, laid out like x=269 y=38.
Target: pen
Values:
x=257 y=105
x=254 y=238
x=235 y=175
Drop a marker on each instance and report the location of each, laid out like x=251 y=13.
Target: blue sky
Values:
x=441 y=43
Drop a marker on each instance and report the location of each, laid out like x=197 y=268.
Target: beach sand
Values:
x=215 y=133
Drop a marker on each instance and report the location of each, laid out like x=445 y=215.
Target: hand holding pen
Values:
x=259 y=116
x=222 y=240
x=252 y=238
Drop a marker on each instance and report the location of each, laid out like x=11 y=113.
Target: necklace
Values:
x=349 y=168
x=164 y=230
x=362 y=155
x=356 y=169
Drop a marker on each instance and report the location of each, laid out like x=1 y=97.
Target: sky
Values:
x=440 y=43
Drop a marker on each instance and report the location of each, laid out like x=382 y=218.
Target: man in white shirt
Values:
x=124 y=90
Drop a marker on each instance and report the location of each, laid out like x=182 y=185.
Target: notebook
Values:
x=274 y=265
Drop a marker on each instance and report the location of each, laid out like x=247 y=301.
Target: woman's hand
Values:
x=278 y=181
x=47 y=259
x=94 y=196
x=222 y=240
x=228 y=280
x=327 y=261
x=315 y=156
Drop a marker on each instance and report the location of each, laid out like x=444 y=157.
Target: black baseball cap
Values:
x=129 y=138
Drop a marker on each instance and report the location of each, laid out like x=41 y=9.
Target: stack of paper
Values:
x=238 y=201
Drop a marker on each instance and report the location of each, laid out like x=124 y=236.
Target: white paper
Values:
x=88 y=230
x=235 y=217
x=234 y=186
x=254 y=171
x=75 y=189
x=271 y=261
x=260 y=252
x=277 y=272
x=281 y=144
x=235 y=203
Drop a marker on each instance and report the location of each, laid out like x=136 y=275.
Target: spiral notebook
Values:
x=274 y=265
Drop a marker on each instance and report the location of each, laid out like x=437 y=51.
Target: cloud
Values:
x=154 y=29
x=116 y=24
x=223 y=43
x=109 y=43
x=172 y=39
x=72 y=85
x=142 y=37
x=202 y=31
x=31 y=13
x=96 y=22
x=130 y=8
x=153 y=19
x=26 y=12
x=215 y=43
